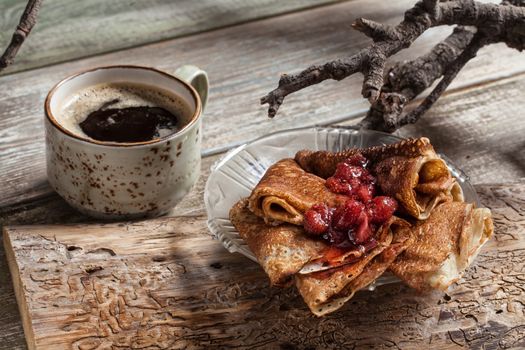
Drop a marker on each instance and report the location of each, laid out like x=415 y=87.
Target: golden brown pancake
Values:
x=324 y=163
x=281 y=250
x=446 y=243
x=286 y=192
x=327 y=291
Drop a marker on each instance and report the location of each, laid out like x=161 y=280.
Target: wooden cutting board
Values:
x=166 y=284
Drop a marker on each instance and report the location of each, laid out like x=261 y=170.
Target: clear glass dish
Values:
x=235 y=175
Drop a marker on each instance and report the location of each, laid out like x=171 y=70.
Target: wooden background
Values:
x=479 y=124
x=68 y=31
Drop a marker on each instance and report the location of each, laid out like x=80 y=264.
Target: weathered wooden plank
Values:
x=52 y=209
x=244 y=63
x=67 y=31
x=141 y=284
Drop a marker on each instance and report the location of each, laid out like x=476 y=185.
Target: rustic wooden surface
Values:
x=245 y=64
x=477 y=124
x=67 y=30
x=140 y=285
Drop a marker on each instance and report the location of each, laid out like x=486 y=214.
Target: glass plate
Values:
x=235 y=175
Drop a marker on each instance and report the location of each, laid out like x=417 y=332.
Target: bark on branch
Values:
x=27 y=22
x=480 y=24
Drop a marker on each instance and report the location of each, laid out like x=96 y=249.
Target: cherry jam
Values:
x=353 y=224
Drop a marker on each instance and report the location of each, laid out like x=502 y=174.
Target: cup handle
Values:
x=197 y=78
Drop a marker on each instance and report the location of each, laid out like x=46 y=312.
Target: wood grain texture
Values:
x=141 y=285
x=244 y=62
x=52 y=209
x=67 y=31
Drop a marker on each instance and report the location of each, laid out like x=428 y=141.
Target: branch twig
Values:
x=406 y=80
x=27 y=22
x=449 y=74
x=496 y=23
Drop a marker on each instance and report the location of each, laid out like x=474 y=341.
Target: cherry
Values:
x=365 y=193
x=381 y=208
x=336 y=237
x=362 y=233
x=353 y=224
x=348 y=172
x=348 y=179
x=317 y=219
x=336 y=185
x=346 y=215
x=367 y=178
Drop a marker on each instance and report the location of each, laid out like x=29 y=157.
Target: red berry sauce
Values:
x=317 y=219
x=353 y=224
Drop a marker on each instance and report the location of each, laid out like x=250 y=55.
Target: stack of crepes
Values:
x=428 y=242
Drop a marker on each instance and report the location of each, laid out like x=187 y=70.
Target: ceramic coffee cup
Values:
x=125 y=180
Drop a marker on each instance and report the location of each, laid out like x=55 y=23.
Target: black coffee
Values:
x=129 y=124
x=124 y=112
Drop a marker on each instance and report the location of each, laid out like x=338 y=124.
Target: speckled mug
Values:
x=111 y=180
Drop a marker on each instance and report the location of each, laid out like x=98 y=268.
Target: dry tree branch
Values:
x=390 y=92
x=27 y=22
x=406 y=80
x=449 y=74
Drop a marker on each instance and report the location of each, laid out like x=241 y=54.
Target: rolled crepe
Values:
x=325 y=292
x=446 y=244
x=280 y=250
x=286 y=250
x=409 y=171
x=286 y=192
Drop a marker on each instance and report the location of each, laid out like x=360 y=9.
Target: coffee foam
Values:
x=83 y=102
